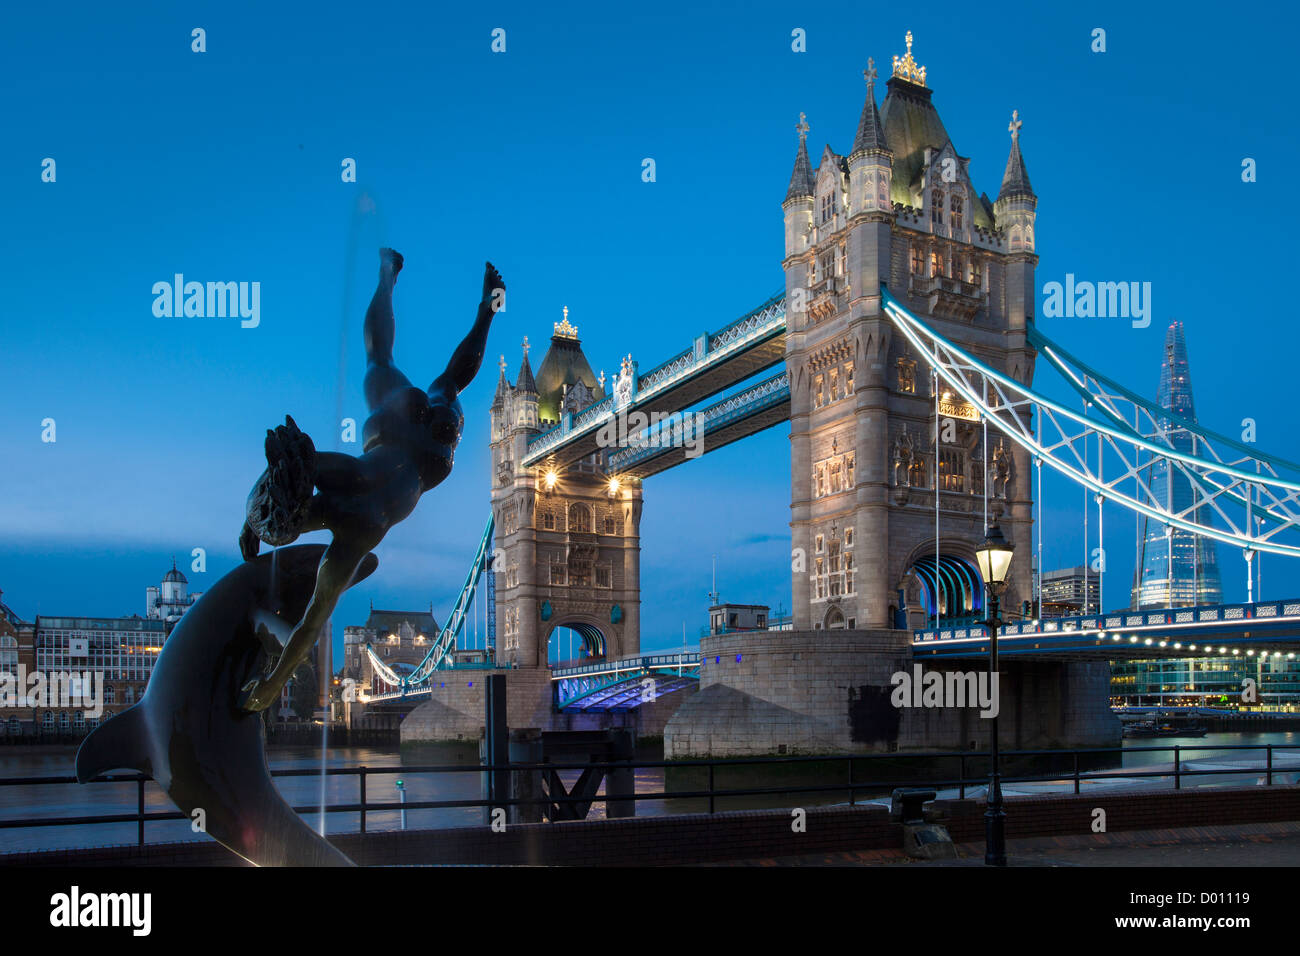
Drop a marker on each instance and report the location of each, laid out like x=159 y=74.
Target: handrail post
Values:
x=1076 y=773
x=139 y=804
x=961 y=773
x=1270 y=765
x=361 y=776
x=852 y=801
x=710 y=786
x=1178 y=768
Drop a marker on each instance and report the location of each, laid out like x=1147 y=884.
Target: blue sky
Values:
x=225 y=166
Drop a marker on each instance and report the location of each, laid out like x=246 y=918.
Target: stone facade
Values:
x=455 y=710
x=456 y=707
x=788 y=692
x=873 y=436
x=567 y=545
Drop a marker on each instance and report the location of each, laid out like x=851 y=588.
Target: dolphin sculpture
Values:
x=188 y=731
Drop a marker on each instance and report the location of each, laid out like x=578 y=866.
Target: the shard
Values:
x=1174 y=568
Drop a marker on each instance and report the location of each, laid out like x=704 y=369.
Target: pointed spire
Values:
x=503 y=386
x=525 y=381
x=801 y=180
x=1015 y=181
x=871 y=132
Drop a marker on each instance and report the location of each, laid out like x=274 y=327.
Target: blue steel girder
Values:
x=1265 y=628
x=752 y=343
x=571 y=683
x=628 y=693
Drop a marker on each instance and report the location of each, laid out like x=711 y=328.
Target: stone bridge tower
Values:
x=872 y=444
x=567 y=542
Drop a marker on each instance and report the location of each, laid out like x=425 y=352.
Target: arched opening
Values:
x=835 y=619
x=573 y=643
x=953 y=588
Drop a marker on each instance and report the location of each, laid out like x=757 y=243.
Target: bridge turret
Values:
x=798 y=203
x=871 y=163
x=1015 y=212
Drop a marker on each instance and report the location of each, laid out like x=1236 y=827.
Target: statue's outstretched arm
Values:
x=467 y=358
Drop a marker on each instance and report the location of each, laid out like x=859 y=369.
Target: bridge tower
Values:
x=567 y=542
x=872 y=444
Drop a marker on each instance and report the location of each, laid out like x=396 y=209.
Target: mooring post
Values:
x=497 y=750
x=622 y=781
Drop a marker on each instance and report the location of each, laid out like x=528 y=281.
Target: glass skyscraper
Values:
x=1175 y=568
x=1189 y=575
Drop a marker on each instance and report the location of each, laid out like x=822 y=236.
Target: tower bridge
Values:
x=906 y=331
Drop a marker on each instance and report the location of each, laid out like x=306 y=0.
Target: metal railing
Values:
x=843 y=766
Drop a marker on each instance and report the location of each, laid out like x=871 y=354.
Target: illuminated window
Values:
x=907 y=376
x=975 y=272
x=848 y=378
x=918 y=261
x=955 y=207
x=819 y=392
x=936 y=263
x=579 y=518
x=936 y=207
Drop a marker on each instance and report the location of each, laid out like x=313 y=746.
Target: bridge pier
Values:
x=787 y=692
x=455 y=707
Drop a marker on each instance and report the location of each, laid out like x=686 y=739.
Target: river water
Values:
x=64 y=800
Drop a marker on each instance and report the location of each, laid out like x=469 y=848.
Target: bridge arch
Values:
x=593 y=641
x=952 y=585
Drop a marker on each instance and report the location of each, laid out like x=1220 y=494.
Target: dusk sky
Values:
x=225 y=166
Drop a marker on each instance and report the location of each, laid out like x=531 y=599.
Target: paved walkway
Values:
x=1258 y=844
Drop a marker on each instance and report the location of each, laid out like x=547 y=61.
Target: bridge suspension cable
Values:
x=439 y=653
x=1243 y=490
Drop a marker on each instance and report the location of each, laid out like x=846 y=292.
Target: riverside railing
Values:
x=844 y=766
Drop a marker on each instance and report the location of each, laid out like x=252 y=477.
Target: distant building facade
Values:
x=171 y=599
x=724 y=618
x=122 y=650
x=401 y=639
x=1069 y=591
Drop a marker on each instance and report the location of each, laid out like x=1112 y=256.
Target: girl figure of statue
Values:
x=409 y=442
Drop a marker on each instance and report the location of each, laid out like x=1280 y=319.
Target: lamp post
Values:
x=994 y=559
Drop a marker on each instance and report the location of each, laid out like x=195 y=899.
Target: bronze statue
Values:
x=409 y=442
x=187 y=732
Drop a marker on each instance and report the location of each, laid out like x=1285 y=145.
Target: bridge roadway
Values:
x=1218 y=630
x=600 y=685
x=713 y=363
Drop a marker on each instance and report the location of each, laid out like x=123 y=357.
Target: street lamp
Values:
x=994 y=560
